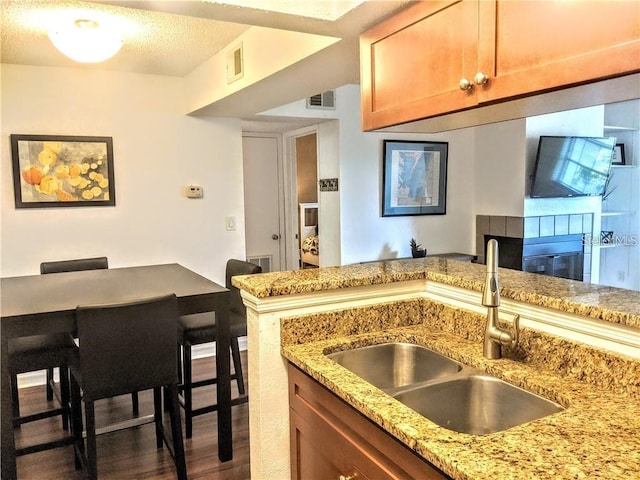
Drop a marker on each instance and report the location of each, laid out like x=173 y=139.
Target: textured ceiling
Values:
x=173 y=37
x=154 y=42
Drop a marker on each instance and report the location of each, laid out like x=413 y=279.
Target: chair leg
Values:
x=64 y=397
x=92 y=454
x=237 y=364
x=15 y=400
x=76 y=421
x=180 y=375
x=157 y=415
x=50 y=384
x=135 y=403
x=171 y=391
x=188 y=392
x=179 y=362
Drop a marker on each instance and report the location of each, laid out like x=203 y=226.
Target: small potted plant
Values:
x=416 y=249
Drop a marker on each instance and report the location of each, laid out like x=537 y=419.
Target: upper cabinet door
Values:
x=412 y=64
x=530 y=46
x=439 y=57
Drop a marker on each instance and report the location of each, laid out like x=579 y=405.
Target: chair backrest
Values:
x=98 y=263
x=238 y=267
x=127 y=347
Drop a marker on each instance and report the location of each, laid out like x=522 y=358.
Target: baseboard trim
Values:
x=34 y=379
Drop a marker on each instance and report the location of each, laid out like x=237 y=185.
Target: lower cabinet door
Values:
x=330 y=440
x=320 y=454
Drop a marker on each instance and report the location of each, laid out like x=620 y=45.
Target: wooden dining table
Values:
x=39 y=304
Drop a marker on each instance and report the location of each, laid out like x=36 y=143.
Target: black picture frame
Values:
x=62 y=171
x=414 y=178
x=618 y=155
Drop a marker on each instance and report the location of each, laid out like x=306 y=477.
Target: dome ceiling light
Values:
x=86 y=41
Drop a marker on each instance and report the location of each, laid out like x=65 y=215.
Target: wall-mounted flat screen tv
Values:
x=572 y=166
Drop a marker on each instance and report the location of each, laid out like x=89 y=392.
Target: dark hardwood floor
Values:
x=132 y=453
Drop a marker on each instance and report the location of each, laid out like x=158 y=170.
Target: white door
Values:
x=262 y=200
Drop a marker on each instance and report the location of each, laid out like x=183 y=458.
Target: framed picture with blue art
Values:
x=414 y=178
x=62 y=171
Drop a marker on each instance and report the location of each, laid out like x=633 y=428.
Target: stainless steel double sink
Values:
x=452 y=395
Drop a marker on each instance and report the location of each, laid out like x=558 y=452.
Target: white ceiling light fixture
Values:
x=86 y=41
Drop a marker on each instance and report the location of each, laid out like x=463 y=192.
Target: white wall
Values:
x=329 y=214
x=157 y=151
x=352 y=222
x=265 y=51
x=500 y=150
x=368 y=236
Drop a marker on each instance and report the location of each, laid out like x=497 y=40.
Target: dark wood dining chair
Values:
x=30 y=354
x=76 y=265
x=61 y=266
x=201 y=328
x=138 y=338
x=47 y=352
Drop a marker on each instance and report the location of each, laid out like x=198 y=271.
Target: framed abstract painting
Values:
x=62 y=171
x=414 y=178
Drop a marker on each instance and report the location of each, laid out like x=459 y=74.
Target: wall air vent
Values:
x=326 y=100
x=264 y=262
x=235 y=64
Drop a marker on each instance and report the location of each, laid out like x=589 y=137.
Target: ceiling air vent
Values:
x=326 y=100
x=235 y=64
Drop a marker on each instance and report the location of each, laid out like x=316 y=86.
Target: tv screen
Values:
x=571 y=166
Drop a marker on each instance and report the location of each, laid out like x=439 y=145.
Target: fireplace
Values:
x=558 y=256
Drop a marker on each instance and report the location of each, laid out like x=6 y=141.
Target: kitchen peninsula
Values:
x=580 y=346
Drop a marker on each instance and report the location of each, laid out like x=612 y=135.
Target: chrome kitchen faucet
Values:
x=494 y=336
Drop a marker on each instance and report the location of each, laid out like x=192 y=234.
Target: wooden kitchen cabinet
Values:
x=439 y=57
x=532 y=46
x=411 y=63
x=331 y=440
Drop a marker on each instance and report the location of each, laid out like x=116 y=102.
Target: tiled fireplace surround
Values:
x=535 y=227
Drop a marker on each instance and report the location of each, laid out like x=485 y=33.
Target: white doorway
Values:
x=265 y=234
x=296 y=183
x=307 y=195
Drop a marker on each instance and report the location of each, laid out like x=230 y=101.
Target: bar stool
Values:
x=76 y=265
x=201 y=328
x=139 y=339
x=61 y=266
x=47 y=352
x=30 y=354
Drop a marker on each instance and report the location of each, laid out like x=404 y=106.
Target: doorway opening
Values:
x=306 y=148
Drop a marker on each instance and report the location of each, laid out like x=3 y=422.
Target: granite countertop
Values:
x=610 y=304
x=595 y=437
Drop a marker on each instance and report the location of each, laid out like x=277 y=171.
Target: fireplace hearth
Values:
x=557 y=256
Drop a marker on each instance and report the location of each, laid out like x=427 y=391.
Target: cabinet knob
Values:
x=480 y=78
x=465 y=84
x=346 y=477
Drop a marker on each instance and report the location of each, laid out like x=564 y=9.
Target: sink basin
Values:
x=477 y=404
x=390 y=366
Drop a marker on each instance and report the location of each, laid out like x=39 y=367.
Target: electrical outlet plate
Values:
x=194 y=191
